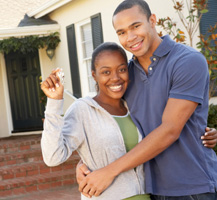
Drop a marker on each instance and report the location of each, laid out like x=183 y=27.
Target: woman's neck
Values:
x=114 y=107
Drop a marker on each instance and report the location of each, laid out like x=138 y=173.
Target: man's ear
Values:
x=152 y=20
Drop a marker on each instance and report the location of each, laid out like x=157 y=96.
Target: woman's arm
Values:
x=61 y=135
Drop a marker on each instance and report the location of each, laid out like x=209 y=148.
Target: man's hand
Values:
x=210 y=137
x=96 y=182
x=81 y=172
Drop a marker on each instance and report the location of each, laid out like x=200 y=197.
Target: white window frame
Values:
x=81 y=61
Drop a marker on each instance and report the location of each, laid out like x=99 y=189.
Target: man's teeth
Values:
x=136 y=45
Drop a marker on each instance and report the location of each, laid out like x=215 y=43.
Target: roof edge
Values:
x=46 y=8
x=29 y=30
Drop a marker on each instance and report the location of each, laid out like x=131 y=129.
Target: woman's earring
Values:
x=97 y=87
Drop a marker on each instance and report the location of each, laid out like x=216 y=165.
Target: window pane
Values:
x=91 y=81
x=87 y=48
x=87 y=40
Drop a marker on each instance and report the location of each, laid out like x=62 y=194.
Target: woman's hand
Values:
x=52 y=86
x=210 y=137
x=81 y=172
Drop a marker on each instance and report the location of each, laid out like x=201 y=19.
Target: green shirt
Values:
x=128 y=130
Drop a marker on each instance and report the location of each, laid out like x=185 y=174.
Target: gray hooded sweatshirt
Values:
x=90 y=130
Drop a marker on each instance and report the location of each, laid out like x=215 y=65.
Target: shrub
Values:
x=212 y=119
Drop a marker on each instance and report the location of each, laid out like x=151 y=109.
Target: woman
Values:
x=99 y=128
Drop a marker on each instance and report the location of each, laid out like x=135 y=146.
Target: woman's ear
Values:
x=93 y=75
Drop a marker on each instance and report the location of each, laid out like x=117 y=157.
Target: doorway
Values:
x=23 y=72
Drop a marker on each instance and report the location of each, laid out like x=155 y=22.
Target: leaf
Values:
x=213 y=36
x=181 y=32
x=204 y=11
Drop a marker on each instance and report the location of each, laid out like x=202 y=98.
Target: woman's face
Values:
x=111 y=74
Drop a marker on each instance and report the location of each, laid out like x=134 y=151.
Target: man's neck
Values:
x=145 y=60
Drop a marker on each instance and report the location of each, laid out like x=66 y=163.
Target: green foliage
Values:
x=29 y=44
x=208 y=47
x=43 y=97
x=191 y=21
x=212 y=119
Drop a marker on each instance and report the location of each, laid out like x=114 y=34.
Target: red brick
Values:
x=30 y=182
x=43 y=171
x=57 y=168
x=68 y=167
x=31 y=173
x=5 y=193
x=56 y=184
x=31 y=188
x=24 y=147
x=35 y=146
x=20 y=174
x=19 y=191
x=3 y=187
x=11 y=162
x=44 y=186
x=7 y=176
x=68 y=182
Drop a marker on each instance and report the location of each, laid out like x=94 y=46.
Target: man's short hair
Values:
x=127 y=4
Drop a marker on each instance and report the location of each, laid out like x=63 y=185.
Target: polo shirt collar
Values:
x=165 y=46
x=163 y=49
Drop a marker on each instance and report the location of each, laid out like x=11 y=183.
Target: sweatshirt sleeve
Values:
x=61 y=135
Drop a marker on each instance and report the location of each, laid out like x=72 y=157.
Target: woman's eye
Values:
x=123 y=69
x=106 y=72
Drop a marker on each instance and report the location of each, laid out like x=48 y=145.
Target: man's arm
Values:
x=176 y=114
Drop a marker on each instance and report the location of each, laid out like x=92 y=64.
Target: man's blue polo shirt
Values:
x=177 y=71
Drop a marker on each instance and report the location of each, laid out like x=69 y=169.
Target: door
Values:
x=23 y=72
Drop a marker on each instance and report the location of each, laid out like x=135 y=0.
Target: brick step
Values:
x=20 y=157
x=31 y=169
x=24 y=185
x=19 y=143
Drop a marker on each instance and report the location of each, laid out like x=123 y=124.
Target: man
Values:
x=168 y=101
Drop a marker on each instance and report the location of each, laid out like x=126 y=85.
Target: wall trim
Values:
x=29 y=30
x=47 y=8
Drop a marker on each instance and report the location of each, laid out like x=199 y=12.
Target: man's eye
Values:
x=121 y=33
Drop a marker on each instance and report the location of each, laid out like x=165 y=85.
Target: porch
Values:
x=24 y=175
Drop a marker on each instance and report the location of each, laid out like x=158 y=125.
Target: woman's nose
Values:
x=115 y=76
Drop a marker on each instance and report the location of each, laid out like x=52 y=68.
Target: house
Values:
x=82 y=25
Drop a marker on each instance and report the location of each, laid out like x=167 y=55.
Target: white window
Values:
x=85 y=49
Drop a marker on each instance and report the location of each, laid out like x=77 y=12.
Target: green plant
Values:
x=195 y=10
x=212 y=119
x=208 y=47
x=191 y=20
x=43 y=97
x=29 y=44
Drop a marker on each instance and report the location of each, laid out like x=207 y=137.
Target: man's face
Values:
x=135 y=32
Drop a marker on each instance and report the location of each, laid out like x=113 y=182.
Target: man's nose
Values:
x=131 y=36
